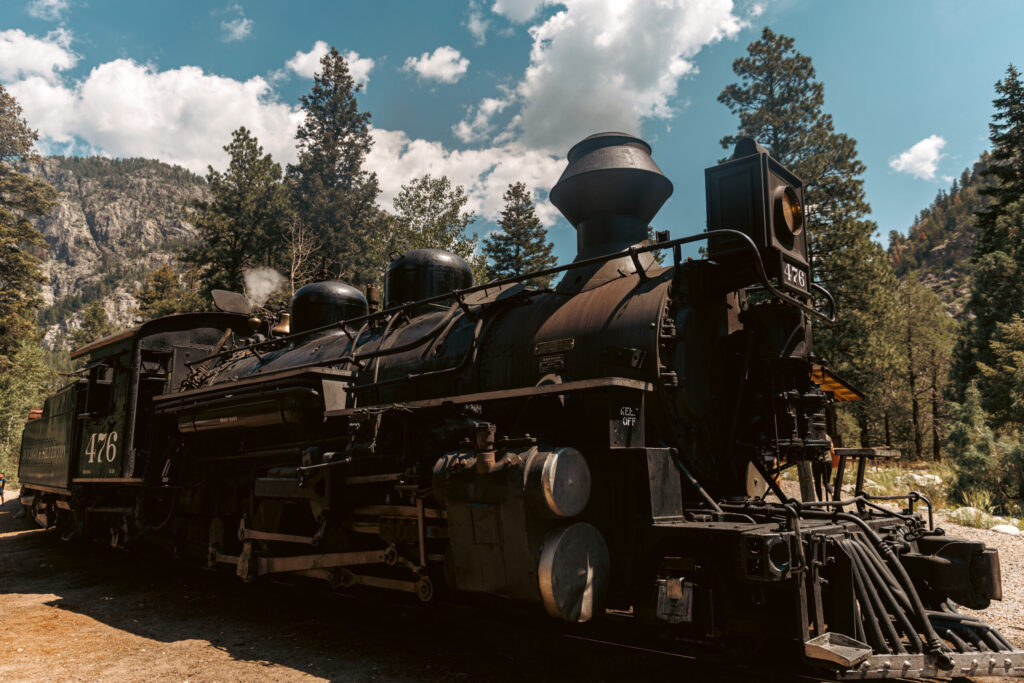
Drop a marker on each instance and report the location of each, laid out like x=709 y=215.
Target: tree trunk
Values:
x=936 y=444
x=915 y=405
x=865 y=429
x=888 y=436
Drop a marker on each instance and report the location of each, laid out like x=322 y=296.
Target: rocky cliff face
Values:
x=938 y=245
x=117 y=219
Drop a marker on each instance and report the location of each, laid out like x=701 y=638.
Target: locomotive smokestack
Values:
x=610 y=191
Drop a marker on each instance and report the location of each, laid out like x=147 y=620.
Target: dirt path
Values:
x=79 y=612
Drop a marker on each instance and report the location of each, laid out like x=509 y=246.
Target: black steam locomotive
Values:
x=611 y=445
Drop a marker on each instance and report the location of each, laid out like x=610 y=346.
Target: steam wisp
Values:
x=260 y=283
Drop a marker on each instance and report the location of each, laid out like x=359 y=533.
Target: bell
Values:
x=283 y=325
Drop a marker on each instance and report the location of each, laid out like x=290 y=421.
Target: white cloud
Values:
x=477 y=23
x=307 y=64
x=185 y=116
x=519 y=10
x=23 y=56
x=182 y=116
x=479 y=127
x=49 y=10
x=235 y=29
x=602 y=65
x=445 y=64
x=484 y=173
x=921 y=160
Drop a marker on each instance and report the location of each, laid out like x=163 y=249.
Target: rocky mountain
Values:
x=117 y=219
x=938 y=245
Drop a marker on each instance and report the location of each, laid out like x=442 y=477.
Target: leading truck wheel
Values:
x=42 y=512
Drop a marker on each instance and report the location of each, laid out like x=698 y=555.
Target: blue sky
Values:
x=489 y=92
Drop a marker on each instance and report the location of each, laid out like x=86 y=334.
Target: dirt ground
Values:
x=74 y=612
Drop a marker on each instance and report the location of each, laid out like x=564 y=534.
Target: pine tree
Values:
x=997 y=289
x=21 y=245
x=522 y=245
x=1006 y=133
x=1002 y=383
x=95 y=325
x=162 y=294
x=430 y=213
x=241 y=226
x=25 y=378
x=926 y=333
x=779 y=104
x=331 y=191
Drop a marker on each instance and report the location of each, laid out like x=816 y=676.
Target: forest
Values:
x=931 y=328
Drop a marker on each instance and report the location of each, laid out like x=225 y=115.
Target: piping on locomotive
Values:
x=608 y=445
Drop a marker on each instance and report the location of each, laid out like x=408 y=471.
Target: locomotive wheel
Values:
x=424 y=589
x=42 y=513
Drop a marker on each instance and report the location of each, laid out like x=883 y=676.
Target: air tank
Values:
x=323 y=303
x=423 y=273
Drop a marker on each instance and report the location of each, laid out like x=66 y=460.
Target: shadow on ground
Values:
x=301 y=628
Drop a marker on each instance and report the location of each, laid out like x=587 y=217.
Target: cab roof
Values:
x=123 y=340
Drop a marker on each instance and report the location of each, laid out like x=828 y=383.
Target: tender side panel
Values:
x=47 y=444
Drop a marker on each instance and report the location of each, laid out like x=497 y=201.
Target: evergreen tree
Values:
x=983 y=462
x=522 y=245
x=430 y=213
x=1002 y=383
x=21 y=245
x=95 y=325
x=25 y=379
x=1006 y=133
x=779 y=104
x=997 y=289
x=332 y=193
x=162 y=294
x=926 y=332
x=240 y=227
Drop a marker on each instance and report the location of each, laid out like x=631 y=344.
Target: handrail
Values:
x=631 y=252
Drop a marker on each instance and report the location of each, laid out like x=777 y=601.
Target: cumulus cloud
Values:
x=477 y=23
x=921 y=160
x=478 y=125
x=307 y=64
x=23 y=56
x=445 y=64
x=601 y=65
x=182 y=116
x=185 y=115
x=484 y=173
x=49 y=10
x=519 y=10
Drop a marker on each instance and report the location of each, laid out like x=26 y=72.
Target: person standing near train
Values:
x=3 y=485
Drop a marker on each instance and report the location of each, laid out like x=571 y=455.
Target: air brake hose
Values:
x=934 y=643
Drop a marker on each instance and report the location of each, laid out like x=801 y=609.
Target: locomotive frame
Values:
x=586 y=448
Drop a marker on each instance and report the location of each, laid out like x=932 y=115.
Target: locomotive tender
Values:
x=610 y=445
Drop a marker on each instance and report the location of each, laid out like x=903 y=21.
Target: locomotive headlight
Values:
x=789 y=213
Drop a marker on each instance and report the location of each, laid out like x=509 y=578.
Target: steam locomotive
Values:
x=608 y=445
